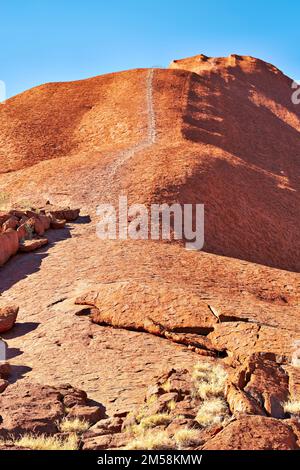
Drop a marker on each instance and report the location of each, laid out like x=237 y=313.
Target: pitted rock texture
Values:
x=254 y=433
x=38 y=409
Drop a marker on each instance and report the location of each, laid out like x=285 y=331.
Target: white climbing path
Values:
x=150 y=139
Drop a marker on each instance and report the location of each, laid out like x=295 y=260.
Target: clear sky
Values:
x=58 y=40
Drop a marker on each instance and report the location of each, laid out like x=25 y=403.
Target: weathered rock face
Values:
x=38 y=409
x=30 y=409
x=263 y=380
x=243 y=339
x=180 y=315
x=172 y=139
x=150 y=306
x=12 y=223
x=268 y=384
x=254 y=433
x=5 y=370
x=8 y=316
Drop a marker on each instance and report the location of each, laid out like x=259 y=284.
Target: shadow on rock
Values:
x=20 y=329
x=13 y=352
x=83 y=219
x=22 y=265
x=18 y=372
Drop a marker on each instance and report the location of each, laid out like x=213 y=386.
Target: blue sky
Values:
x=58 y=40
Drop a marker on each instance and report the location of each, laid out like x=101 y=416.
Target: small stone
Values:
x=8 y=317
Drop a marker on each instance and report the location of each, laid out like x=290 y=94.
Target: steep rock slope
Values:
x=223 y=132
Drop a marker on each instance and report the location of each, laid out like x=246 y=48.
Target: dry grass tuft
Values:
x=42 y=442
x=209 y=380
x=212 y=411
x=171 y=405
x=73 y=425
x=151 y=440
x=152 y=421
x=186 y=438
x=166 y=386
x=292 y=407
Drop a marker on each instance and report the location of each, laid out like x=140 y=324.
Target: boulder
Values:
x=19 y=213
x=8 y=316
x=264 y=382
x=66 y=213
x=41 y=222
x=26 y=229
x=72 y=396
x=57 y=224
x=22 y=232
x=104 y=427
x=240 y=403
x=108 y=441
x=30 y=408
x=37 y=409
x=9 y=244
x=91 y=414
x=254 y=433
x=12 y=223
x=30 y=245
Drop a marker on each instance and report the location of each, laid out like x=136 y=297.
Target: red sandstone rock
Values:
x=241 y=403
x=18 y=213
x=30 y=245
x=22 y=232
x=4 y=216
x=134 y=305
x=67 y=213
x=267 y=383
x=91 y=414
x=104 y=427
x=8 y=316
x=57 y=224
x=109 y=441
x=5 y=370
x=9 y=244
x=36 y=409
x=190 y=121
x=3 y=385
x=72 y=396
x=254 y=433
x=30 y=409
x=12 y=223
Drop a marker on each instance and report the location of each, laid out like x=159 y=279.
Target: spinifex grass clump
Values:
x=210 y=380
